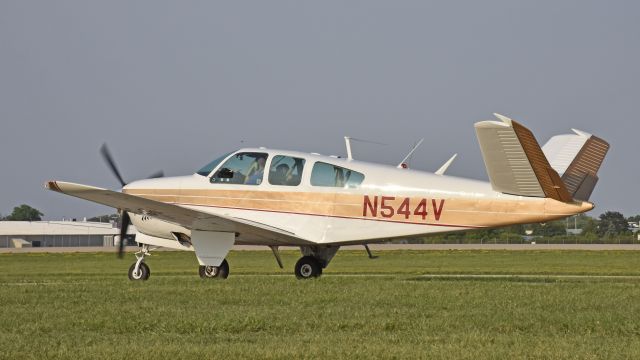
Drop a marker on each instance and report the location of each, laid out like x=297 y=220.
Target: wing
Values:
x=187 y=217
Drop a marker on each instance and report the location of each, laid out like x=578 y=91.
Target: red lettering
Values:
x=388 y=208
x=421 y=209
x=373 y=208
x=437 y=211
x=404 y=208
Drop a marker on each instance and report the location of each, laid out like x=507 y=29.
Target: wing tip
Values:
x=52 y=185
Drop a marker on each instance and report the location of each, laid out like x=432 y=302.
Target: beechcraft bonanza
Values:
x=318 y=203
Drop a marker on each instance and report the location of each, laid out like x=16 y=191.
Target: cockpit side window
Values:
x=324 y=174
x=245 y=168
x=207 y=169
x=286 y=170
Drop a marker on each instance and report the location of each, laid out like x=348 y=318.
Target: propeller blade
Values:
x=156 y=175
x=104 y=150
x=124 y=226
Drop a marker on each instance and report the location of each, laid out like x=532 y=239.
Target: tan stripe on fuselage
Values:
x=456 y=212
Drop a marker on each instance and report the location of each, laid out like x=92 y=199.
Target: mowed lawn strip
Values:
x=397 y=262
x=83 y=306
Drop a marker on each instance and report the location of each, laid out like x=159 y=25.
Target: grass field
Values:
x=83 y=306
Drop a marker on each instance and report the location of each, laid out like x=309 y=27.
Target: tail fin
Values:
x=577 y=159
x=515 y=162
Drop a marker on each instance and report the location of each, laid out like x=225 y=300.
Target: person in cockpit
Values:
x=256 y=171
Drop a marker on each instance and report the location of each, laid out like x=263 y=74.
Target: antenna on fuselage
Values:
x=403 y=163
x=445 y=166
x=347 y=141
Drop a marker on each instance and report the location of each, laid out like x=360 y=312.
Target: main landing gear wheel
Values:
x=142 y=273
x=307 y=268
x=215 y=272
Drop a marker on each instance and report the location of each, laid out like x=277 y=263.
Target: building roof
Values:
x=58 y=228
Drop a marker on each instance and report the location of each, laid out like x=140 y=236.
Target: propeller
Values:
x=106 y=155
x=125 y=219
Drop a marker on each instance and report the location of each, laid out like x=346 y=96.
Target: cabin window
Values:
x=207 y=169
x=286 y=170
x=324 y=174
x=242 y=168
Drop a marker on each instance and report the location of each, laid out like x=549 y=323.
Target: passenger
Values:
x=256 y=171
x=281 y=176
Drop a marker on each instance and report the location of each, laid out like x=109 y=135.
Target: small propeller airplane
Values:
x=258 y=196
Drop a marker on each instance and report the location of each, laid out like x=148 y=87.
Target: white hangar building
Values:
x=57 y=234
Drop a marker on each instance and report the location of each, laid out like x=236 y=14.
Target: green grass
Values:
x=83 y=306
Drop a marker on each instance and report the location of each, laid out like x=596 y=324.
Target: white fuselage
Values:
x=388 y=203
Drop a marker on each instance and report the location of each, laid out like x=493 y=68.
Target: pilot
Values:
x=256 y=171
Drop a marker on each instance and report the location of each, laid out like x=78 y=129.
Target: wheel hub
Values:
x=306 y=270
x=211 y=271
x=137 y=274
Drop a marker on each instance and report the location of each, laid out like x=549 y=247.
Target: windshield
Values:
x=207 y=169
x=245 y=168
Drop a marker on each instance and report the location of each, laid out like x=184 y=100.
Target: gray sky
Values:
x=171 y=85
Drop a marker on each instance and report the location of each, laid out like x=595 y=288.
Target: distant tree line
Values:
x=23 y=213
x=28 y=213
x=609 y=227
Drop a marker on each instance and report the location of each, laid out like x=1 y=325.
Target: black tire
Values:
x=143 y=272
x=308 y=267
x=214 y=272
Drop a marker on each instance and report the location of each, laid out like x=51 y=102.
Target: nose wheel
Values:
x=141 y=273
x=214 y=272
x=139 y=270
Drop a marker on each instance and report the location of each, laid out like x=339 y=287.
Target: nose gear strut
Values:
x=139 y=270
